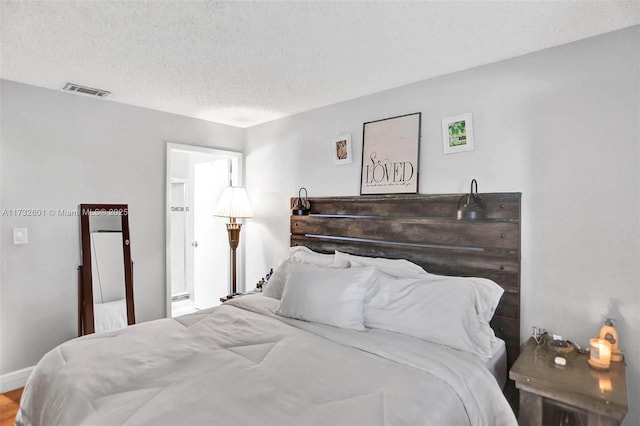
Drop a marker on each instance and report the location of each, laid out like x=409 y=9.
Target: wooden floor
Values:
x=9 y=404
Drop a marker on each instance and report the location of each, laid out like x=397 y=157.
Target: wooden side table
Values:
x=234 y=295
x=573 y=394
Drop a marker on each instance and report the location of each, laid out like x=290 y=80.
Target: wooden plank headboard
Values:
x=423 y=229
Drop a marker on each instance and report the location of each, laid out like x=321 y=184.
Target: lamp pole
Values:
x=233 y=228
x=233 y=204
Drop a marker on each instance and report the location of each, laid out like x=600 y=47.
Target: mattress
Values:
x=497 y=364
x=239 y=363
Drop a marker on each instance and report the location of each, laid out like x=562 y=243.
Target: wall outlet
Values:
x=20 y=236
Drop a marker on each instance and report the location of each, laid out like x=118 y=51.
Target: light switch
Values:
x=19 y=235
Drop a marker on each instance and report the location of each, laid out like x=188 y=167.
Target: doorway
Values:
x=179 y=228
x=198 y=256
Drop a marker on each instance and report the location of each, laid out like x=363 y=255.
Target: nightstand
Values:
x=573 y=394
x=233 y=296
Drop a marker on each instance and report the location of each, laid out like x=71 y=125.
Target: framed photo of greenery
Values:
x=457 y=133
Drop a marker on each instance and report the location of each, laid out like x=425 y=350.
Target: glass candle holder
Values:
x=599 y=354
x=539 y=334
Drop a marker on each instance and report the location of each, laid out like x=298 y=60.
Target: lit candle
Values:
x=599 y=353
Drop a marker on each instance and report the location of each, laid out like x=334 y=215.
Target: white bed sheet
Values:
x=239 y=363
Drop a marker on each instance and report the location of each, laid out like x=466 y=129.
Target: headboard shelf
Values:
x=423 y=229
x=440 y=231
x=501 y=205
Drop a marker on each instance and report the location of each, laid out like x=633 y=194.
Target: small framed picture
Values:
x=457 y=133
x=341 y=150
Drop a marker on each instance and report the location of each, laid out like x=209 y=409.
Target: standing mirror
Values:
x=105 y=278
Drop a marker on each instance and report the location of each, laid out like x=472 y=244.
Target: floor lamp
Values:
x=233 y=204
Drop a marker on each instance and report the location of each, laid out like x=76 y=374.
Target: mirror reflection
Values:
x=107 y=274
x=106 y=286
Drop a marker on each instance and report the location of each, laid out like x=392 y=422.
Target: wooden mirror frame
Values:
x=86 y=324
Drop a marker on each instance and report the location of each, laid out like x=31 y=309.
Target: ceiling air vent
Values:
x=71 y=87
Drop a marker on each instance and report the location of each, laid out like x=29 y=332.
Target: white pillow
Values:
x=306 y=255
x=300 y=254
x=490 y=294
x=275 y=285
x=394 y=267
x=451 y=311
x=326 y=295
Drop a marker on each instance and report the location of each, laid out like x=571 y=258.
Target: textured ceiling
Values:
x=244 y=63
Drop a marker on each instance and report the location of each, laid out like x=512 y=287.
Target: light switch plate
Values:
x=20 y=236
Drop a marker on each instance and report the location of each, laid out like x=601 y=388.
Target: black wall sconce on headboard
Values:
x=301 y=205
x=475 y=207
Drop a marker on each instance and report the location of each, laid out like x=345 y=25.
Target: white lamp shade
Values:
x=233 y=203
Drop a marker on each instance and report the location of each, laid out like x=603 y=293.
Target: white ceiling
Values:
x=245 y=63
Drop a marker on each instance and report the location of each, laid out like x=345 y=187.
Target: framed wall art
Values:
x=457 y=133
x=390 y=153
x=341 y=150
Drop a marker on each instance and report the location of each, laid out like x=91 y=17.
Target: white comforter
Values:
x=240 y=364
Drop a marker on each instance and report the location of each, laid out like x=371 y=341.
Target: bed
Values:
x=340 y=346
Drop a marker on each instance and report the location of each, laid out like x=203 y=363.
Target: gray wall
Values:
x=560 y=126
x=59 y=150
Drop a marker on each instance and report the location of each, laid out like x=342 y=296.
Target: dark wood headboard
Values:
x=424 y=229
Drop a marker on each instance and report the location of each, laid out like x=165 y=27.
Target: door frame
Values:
x=237 y=161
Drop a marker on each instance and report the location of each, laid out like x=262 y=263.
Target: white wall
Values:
x=180 y=165
x=59 y=150
x=560 y=126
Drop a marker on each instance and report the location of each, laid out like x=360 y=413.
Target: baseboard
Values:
x=15 y=379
